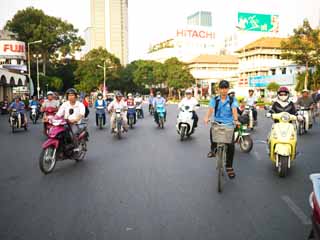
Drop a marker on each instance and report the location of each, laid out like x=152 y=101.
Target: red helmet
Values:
x=283 y=89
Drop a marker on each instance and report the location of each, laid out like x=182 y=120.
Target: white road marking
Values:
x=296 y=210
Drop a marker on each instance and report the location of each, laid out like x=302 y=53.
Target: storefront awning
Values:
x=12 y=79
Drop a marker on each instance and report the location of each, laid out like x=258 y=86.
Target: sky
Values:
x=151 y=21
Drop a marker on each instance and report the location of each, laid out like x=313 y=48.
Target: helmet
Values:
x=71 y=91
x=283 y=89
x=138 y=94
x=158 y=93
x=305 y=90
x=118 y=94
x=189 y=91
x=99 y=95
x=129 y=94
x=50 y=93
x=224 y=84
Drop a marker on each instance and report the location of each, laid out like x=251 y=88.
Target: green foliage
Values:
x=89 y=76
x=53 y=83
x=313 y=83
x=273 y=86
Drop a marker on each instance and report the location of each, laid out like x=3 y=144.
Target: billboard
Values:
x=263 y=81
x=11 y=49
x=258 y=22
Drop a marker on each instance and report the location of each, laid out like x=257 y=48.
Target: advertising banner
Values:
x=263 y=81
x=11 y=49
x=258 y=22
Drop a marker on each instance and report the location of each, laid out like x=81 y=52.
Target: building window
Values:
x=273 y=72
x=284 y=71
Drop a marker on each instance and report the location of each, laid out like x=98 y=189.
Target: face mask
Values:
x=99 y=98
x=158 y=96
x=283 y=98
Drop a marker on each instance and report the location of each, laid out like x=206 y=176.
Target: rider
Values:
x=306 y=101
x=49 y=102
x=223 y=109
x=131 y=104
x=74 y=111
x=138 y=100
x=100 y=105
x=118 y=103
x=158 y=100
x=282 y=102
x=20 y=107
x=151 y=97
x=251 y=101
x=192 y=102
x=34 y=102
x=243 y=118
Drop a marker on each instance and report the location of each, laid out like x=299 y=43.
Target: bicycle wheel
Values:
x=220 y=168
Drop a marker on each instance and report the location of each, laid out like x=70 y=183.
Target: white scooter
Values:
x=185 y=122
x=304 y=120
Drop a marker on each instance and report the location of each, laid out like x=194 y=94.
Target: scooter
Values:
x=34 y=114
x=304 y=120
x=185 y=122
x=60 y=147
x=243 y=138
x=131 y=116
x=4 y=107
x=119 y=125
x=314 y=201
x=282 y=141
x=139 y=110
x=161 y=111
x=49 y=113
x=16 y=121
x=249 y=110
x=100 y=112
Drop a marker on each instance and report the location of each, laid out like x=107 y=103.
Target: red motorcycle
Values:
x=315 y=205
x=49 y=114
x=60 y=144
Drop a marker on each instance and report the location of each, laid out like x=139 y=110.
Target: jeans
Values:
x=230 y=151
x=255 y=114
x=103 y=118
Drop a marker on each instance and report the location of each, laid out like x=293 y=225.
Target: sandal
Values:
x=230 y=172
x=211 y=154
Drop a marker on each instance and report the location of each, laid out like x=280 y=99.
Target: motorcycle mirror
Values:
x=268 y=115
x=71 y=111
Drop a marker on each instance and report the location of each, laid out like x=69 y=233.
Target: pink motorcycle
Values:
x=60 y=144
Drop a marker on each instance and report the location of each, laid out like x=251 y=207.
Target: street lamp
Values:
x=37 y=56
x=29 y=71
x=104 y=76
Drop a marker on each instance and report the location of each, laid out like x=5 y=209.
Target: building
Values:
x=260 y=63
x=208 y=70
x=97 y=31
x=200 y=18
x=118 y=29
x=12 y=64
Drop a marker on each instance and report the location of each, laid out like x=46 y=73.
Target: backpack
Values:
x=217 y=101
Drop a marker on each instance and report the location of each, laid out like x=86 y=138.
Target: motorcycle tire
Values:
x=283 y=166
x=83 y=150
x=246 y=144
x=182 y=132
x=43 y=160
x=119 y=130
x=100 y=123
x=13 y=129
x=161 y=123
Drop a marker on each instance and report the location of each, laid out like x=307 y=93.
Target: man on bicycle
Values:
x=223 y=110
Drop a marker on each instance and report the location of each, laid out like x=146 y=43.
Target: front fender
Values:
x=51 y=142
x=283 y=149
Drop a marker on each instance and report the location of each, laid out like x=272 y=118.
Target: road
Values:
x=149 y=185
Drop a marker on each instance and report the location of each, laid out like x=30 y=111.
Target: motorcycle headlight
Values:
x=285 y=117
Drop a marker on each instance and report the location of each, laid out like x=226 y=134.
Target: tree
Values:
x=89 y=76
x=59 y=38
x=273 y=86
x=178 y=75
x=303 y=47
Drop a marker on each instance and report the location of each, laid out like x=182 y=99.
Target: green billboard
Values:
x=258 y=22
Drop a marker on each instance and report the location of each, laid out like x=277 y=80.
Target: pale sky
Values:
x=153 y=20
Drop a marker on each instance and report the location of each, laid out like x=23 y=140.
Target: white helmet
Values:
x=189 y=91
x=129 y=94
x=50 y=93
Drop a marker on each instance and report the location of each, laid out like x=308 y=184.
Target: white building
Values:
x=208 y=70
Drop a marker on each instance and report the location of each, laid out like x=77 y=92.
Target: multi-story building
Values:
x=208 y=70
x=200 y=18
x=97 y=31
x=118 y=29
x=260 y=63
x=12 y=64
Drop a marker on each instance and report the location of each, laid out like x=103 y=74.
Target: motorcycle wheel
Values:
x=34 y=120
x=283 y=166
x=131 y=122
x=12 y=129
x=300 y=128
x=161 y=123
x=82 y=152
x=119 y=130
x=100 y=122
x=246 y=144
x=46 y=161
x=182 y=132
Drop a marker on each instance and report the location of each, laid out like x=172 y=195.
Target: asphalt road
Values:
x=149 y=185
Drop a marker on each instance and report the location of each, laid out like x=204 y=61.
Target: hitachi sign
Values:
x=192 y=33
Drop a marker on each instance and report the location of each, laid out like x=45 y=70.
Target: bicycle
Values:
x=222 y=135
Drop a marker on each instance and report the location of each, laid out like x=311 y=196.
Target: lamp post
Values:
x=29 y=71
x=37 y=56
x=104 y=76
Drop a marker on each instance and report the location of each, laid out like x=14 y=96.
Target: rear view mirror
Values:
x=268 y=115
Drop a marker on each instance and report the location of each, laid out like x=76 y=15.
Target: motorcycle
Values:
x=100 y=116
x=282 y=141
x=161 y=111
x=119 y=126
x=304 y=121
x=50 y=112
x=139 y=110
x=4 y=107
x=314 y=201
x=151 y=110
x=243 y=138
x=131 y=116
x=59 y=145
x=34 y=114
x=185 y=122
x=16 y=121
x=249 y=110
